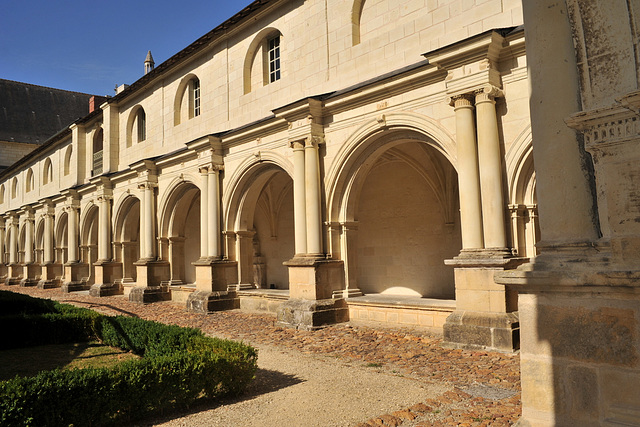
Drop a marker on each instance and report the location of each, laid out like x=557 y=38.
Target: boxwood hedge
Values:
x=177 y=367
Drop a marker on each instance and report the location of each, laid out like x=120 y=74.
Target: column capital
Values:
x=104 y=197
x=461 y=100
x=488 y=93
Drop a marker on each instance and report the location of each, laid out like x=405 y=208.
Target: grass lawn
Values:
x=29 y=361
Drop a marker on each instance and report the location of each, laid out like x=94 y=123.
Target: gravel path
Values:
x=344 y=375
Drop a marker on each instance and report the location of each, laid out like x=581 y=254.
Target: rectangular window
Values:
x=142 y=126
x=274 y=59
x=196 y=98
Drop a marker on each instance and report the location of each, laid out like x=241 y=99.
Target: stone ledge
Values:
x=106 y=289
x=480 y=330
x=147 y=294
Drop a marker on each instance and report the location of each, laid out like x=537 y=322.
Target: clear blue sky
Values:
x=90 y=46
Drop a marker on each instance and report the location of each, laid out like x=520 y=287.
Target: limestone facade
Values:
x=325 y=148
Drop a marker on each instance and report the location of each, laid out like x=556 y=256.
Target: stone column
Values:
x=204 y=212
x=349 y=248
x=313 y=197
x=214 y=213
x=3 y=266
x=28 y=238
x=48 y=239
x=148 y=222
x=13 y=241
x=72 y=236
x=104 y=236
x=490 y=168
x=468 y=176
x=299 y=197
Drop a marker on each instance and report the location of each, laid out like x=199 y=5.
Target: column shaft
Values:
x=48 y=239
x=2 y=237
x=312 y=196
x=104 y=238
x=204 y=213
x=13 y=243
x=214 y=214
x=299 y=202
x=148 y=214
x=72 y=234
x=468 y=178
x=28 y=241
x=490 y=169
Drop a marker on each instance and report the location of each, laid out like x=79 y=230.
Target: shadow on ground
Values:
x=266 y=381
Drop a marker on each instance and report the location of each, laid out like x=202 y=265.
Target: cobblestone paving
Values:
x=487 y=384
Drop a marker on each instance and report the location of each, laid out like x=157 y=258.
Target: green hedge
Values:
x=179 y=366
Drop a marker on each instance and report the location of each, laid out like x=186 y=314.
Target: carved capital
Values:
x=463 y=100
x=297 y=145
x=488 y=93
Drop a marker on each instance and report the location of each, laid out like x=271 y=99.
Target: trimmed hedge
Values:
x=179 y=366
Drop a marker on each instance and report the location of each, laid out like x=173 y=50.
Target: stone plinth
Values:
x=30 y=274
x=310 y=315
x=210 y=301
x=580 y=347
x=150 y=281
x=486 y=315
x=107 y=283
x=14 y=275
x=51 y=276
x=312 y=283
x=76 y=275
x=215 y=275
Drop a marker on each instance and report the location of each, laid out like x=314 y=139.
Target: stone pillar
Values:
x=74 y=270
x=214 y=214
x=148 y=222
x=204 y=212
x=104 y=236
x=468 y=177
x=313 y=197
x=30 y=269
x=349 y=248
x=13 y=241
x=490 y=169
x=3 y=266
x=299 y=197
x=48 y=257
x=486 y=313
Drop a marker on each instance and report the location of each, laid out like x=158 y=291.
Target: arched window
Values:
x=47 y=172
x=356 y=15
x=29 y=181
x=98 y=142
x=136 y=126
x=263 y=63
x=14 y=188
x=188 y=101
x=1 y=196
x=67 y=160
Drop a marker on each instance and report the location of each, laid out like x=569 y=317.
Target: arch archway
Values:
x=127 y=237
x=39 y=242
x=180 y=228
x=61 y=239
x=260 y=216
x=393 y=208
x=89 y=224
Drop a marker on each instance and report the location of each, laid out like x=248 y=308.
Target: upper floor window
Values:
x=67 y=160
x=14 y=188
x=142 y=125
x=274 y=59
x=136 y=126
x=196 y=97
x=29 y=181
x=2 y=193
x=263 y=63
x=98 y=141
x=47 y=172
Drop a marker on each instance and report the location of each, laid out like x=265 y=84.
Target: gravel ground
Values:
x=344 y=375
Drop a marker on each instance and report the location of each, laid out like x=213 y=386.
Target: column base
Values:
x=31 y=275
x=152 y=273
x=312 y=278
x=214 y=275
x=108 y=279
x=14 y=275
x=480 y=330
x=51 y=276
x=310 y=315
x=149 y=294
x=77 y=275
x=208 y=302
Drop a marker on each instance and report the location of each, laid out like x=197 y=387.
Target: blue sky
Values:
x=89 y=46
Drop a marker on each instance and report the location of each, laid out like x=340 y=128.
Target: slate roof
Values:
x=32 y=114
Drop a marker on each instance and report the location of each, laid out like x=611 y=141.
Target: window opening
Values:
x=196 y=97
x=274 y=59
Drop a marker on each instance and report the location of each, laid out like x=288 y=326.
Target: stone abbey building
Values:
x=374 y=160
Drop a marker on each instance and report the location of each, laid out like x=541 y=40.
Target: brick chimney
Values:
x=95 y=102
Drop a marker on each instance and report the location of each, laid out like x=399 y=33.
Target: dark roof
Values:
x=33 y=114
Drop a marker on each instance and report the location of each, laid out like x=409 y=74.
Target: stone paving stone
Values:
x=407 y=352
